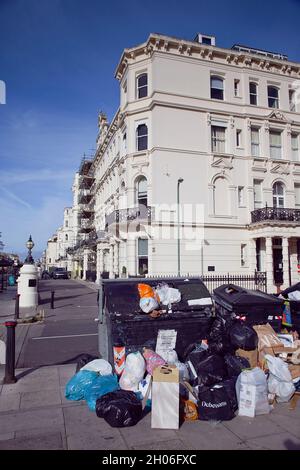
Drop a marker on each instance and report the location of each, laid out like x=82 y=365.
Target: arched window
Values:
x=142 y=137
x=273 y=97
x=253 y=93
x=278 y=194
x=67 y=223
x=141 y=191
x=66 y=237
x=142 y=85
x=217 y=88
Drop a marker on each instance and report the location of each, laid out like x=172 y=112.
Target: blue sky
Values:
x=58 y=57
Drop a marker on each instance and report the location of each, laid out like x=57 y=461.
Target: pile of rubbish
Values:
x=238 y=368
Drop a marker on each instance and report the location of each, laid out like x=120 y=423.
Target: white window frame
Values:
x=252 y=82
x=138 y=257
x=277 y=99
x=237 y=88
x=292 y=102
x=139 y=87
x=255 y=146
x=218 y=145
x=295 y=150
x=241 y=196
x=297 y=204
x=238 y=138
x=258 y=203
x=141 y=123
x=278 y=199
x=275 y=150
x=243 y=254
x=222 y=79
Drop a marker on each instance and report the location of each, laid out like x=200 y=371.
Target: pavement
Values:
x=34 y=413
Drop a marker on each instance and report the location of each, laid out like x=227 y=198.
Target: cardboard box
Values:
x=294 y=370
x=165 y=398
x=277 y=351
x=252 y=356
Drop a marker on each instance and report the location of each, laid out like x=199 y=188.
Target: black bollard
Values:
x=10 y=377
x=52 y=299
x=17 y=306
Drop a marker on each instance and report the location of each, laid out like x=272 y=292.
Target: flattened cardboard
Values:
x=166 y=373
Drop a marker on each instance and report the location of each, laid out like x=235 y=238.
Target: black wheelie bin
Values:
x=294 y=305
x=253 y=306
x=123 y=323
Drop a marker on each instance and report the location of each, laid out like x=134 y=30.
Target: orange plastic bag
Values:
x=146 y=291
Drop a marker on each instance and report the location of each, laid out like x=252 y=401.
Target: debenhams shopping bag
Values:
x=165 y=398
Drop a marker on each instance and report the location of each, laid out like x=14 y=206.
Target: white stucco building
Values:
x=217 y=129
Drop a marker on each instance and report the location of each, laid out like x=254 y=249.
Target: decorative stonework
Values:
x=280 y=168
x=224 y=162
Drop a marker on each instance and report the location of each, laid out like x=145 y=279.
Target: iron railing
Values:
x=276 y=214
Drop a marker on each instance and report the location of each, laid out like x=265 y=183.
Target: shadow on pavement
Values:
x=290 y=445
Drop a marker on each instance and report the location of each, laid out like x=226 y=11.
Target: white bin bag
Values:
x=280 y=381
x=252 y=393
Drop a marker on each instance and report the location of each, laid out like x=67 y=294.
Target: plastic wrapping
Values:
x=102 y=385
x=210 y=368
x=119 y=409
x=148 y=304
x=243 y=336
x=280 y=381
x=79 y=384
x=167 y=295
x=134 y=371
x=83 y=360
x=101 y=366
x=252 y=393
x=153 y=360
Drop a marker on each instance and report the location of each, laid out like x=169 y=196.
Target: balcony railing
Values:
x=120 y=216
x=275 y=214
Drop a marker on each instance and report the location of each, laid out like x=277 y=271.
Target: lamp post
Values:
x=29 y=245
x=179 y=181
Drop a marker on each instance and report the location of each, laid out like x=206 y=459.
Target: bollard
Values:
x=17 y=307
x=52 y=299
x=10 y=377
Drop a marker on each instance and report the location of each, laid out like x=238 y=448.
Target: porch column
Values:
x=99 y=266
x=252 y=255
x=269 y=265
x=295 y=277
x=116 y=258
x=285 y=262
x=85 y=263
x=111 y=261
x=131 y=257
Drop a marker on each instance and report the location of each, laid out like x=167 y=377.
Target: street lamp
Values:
x=180 y=180
x=29 y=245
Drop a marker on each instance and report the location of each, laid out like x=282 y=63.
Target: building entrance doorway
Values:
x=277 y=261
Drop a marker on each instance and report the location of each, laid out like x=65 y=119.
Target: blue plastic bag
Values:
x=79 y=384
x=101 y=386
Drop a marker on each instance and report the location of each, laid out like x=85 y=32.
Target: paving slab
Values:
x=142 y=433
x=7 y=436
x=33 y=381
x=66 y=402
x=209 y=436
x=66 y=372
x=282 y=441
x=96 y=441
x=49 y=441
x=39 y=399
x=81 y=419
x=10 y=402
x=247 y=428
x=174 y=444
x=26 y=420
x=289 y=423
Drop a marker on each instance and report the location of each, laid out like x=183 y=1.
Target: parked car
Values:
x=60 y=273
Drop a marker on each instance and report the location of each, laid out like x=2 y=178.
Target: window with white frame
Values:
x=218 y=139
x=297 y=195
x=273 y=97
x=292 y=100
x=295 y=147
x=238 y=138
x=255 y=150
x=241 y=196
x=253 y=93
x=142 y=85
x=142 y=191
x=278 y=194
x=243 y=254
x=124 y=141
x=275 y=144
x=142 y=256
x=216 y=87
x=236 y=88
x=142 y=137
x=257 y=193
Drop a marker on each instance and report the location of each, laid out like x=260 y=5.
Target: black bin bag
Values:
x=119 y=409
x=235 y=364
x=214 y=404
x=243 y=336
x=229 y=385
x=218 y=338
x=210 y=368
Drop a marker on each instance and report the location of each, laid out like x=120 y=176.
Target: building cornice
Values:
x=182 y=47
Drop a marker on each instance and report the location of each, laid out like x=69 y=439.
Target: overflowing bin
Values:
x=253 y=306
x=123 y=323
x=294 y=304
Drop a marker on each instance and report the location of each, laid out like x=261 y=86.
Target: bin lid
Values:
x=293 y=288
x=122 y=296
x=238 y=296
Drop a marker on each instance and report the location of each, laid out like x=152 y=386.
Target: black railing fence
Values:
x=275 y=213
